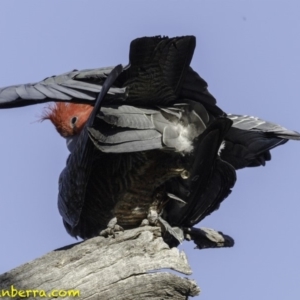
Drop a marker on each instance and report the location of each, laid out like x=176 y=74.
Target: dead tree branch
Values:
x=124 y=267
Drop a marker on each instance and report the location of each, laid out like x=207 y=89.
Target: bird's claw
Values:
x=112 y=229
x=144 y=223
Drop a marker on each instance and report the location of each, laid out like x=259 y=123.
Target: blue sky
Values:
x=247 y=51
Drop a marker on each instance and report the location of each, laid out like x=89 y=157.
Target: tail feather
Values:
x=153 y=77
x=209 y=238
x=195 y=88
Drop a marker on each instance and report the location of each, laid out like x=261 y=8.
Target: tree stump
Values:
x=123 y=267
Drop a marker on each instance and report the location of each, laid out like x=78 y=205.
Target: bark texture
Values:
x=124 y=267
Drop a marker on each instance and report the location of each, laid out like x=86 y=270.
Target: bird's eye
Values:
x=73 y=121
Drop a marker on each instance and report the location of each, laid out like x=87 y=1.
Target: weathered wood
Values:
x=124 y=267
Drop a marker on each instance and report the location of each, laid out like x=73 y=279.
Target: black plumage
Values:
x=145 y=149
x=158 y=149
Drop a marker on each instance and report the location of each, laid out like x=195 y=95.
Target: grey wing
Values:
x=269 y=129
x=126 y=128
x=77 y=86
x=249 y=141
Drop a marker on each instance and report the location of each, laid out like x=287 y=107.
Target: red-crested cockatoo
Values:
x=157 y=150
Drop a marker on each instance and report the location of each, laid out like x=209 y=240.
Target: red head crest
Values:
x=68 y=118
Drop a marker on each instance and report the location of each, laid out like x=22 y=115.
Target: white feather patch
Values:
x=222 y=146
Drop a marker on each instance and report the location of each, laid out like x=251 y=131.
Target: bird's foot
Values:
x=112 y=228
x=155 y=219
x=152 y=219
x=145 y=222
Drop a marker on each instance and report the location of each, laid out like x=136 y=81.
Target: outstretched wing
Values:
x=76 y=86
x=249 y=141
x=151 y=75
